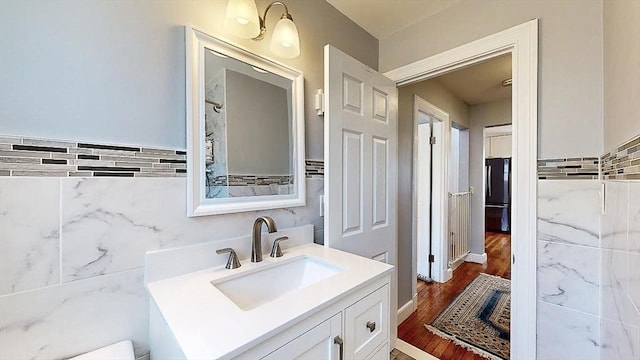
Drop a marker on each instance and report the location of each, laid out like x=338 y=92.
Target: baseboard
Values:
x=448 y=274
x=477 y=258
x=413 y=351
x=407 y=309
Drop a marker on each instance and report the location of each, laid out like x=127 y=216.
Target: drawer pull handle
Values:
x=371 y=325
x=338 y=340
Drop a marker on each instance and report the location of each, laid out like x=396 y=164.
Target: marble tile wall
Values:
x=568 y=269
x=72 y=256
x=216 y=135
x=620 y=276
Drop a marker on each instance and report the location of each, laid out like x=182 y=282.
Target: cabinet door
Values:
x=315 y=344
x=367 y=324
x=501 y=146
x=381 y=354
x=487 y=147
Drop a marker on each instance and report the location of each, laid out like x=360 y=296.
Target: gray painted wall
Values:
x=570 y=61
x=482 y=115
x=621 y=72
x=113 y=71
x=258 y=131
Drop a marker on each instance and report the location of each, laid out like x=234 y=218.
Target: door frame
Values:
x=440 y=272
x=521 y=42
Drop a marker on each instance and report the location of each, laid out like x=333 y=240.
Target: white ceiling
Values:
x=474 y=85
x=480 y=83
x=382 y=18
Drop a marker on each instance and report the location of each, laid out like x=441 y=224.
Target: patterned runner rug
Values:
x=478 y=319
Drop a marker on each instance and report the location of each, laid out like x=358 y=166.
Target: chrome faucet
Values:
x=256 y=242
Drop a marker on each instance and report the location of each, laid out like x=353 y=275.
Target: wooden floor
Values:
x=434 y=297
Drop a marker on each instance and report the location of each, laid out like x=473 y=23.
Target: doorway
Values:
x=431 y=164
x=449 y=258
x=520 y=41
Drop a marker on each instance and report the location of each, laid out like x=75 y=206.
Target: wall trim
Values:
x=31 y=156
x=477 y=258
x=585 y=168
x=623 y=161
x=522 y=42
x=27 y=156
x=407 y=309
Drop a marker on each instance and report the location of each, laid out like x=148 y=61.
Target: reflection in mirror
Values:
x=245 y=129
x=248 y=134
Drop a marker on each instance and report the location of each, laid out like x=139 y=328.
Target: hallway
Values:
x=433 y=298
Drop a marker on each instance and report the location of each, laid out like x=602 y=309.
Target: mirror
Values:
x=245 y=130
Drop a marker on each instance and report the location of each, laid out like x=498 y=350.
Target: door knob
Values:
x=371 y=325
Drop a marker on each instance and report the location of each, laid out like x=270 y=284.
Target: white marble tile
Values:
x=69 y=319
x=216 y=129
x=566 y=334
x=569 y=211
x=569 y=276
x=108 y=223
x=619 y=341
x=634 y=216
x=615 y=301
x=615 y=220
x=633 y=278
x=29 y=226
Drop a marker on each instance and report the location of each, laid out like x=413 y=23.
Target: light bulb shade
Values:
x=241 y=18
x=285 y=41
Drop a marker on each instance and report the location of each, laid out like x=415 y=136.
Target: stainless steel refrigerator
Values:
x=498 y=195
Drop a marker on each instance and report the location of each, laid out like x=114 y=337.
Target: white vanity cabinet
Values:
x=339 y=309
x=361 y=324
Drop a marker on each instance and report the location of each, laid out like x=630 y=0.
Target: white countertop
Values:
x=208 y=325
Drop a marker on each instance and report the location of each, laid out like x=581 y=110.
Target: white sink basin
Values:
x=252 y=289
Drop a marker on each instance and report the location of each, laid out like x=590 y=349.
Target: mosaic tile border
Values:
x=314 y=169
x=623 y=162
x=585 y=168
x=250 y=180
x=27 y=156
x=257 y=180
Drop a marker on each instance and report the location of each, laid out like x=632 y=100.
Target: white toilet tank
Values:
x=118 y=351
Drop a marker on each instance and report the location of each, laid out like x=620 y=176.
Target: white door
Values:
x=360 y=152
x=423 y=195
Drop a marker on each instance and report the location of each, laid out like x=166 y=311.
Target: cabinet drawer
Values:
x=381 y=354
x=366 y=324
x=317 y=343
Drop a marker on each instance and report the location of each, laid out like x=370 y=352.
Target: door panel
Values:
x=352 y=183
x=352 y=94
x=380 y=194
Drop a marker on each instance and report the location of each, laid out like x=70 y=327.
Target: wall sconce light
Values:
x=242 y=20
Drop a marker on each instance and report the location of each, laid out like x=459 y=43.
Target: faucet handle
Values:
x=275 y=250
x=232 y=262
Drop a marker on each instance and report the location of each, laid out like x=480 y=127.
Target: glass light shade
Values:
x=241 y=18
x=285 y=41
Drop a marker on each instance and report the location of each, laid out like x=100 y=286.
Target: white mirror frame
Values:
x=197 y=203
